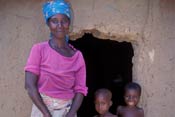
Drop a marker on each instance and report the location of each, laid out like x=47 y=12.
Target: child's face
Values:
x=102 y=104
x=132 y=97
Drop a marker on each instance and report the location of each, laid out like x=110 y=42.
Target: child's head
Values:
x=132 y=94
x=103 y=100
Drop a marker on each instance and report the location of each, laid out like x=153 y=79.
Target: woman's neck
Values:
x=59 y=43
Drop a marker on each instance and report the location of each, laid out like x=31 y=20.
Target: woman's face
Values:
x=59 y=25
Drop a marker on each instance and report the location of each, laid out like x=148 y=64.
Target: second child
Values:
x=131 y=97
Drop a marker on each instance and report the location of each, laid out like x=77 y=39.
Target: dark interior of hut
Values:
x=108 y=65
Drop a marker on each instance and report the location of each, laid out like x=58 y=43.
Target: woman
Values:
x=55 y=73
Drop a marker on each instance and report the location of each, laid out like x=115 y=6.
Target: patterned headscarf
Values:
x=54 y=7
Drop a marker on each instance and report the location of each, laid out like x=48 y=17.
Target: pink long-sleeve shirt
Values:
x=59 y=76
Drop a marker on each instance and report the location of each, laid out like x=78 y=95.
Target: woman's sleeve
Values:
x=33 y=62
x=80 y=82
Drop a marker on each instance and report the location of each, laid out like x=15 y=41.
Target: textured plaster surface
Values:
x=148 y=24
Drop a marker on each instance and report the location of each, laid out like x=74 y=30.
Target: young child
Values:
x=131 y=96
x=103 y=103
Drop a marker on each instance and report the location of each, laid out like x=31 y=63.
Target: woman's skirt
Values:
x=57 y=107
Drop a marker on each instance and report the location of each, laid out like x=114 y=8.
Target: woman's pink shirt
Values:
x=59 y=76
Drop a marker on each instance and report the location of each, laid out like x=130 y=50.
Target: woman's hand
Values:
x=47 y=115
x=75 y=105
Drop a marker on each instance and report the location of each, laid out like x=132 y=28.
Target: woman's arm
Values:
x=31 y=87
x=80 y=88
x=77 y=101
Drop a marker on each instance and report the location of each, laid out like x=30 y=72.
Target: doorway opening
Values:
x=108 y=65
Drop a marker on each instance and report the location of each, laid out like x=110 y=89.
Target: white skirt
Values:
x=57 y=107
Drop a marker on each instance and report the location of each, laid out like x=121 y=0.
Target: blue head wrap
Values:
x=54 y=7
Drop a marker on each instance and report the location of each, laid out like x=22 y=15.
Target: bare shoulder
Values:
x=120 y=108
x=112 y=115
x=141 y=111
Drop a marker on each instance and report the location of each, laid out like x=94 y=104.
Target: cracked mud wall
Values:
x=155 y=65
x=148 y=24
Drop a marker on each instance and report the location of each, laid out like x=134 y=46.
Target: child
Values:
x=131 y=96
x=103 y=103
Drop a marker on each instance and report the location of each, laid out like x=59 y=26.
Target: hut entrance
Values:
x=109 y=65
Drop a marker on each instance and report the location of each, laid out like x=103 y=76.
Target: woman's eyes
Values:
x=55 y=21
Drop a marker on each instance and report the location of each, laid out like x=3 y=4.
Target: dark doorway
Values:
x=109 y=65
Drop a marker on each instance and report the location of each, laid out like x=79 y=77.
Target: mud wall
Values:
x=148 y=24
